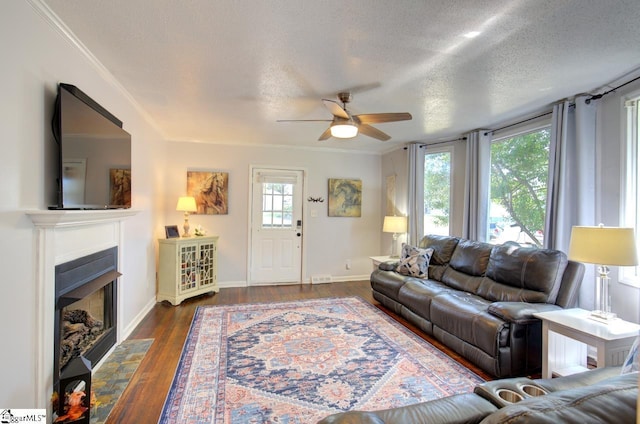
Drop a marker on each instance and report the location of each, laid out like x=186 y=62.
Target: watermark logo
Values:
x=8 y=416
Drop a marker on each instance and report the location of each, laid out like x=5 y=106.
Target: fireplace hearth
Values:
x=86 y=309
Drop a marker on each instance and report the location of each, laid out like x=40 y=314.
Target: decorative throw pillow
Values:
x=631 y=363
x=414 y=261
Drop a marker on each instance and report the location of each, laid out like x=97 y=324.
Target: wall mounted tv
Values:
x=94 y=161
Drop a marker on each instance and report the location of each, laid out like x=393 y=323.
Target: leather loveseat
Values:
x=597 y=396
x=479 y=299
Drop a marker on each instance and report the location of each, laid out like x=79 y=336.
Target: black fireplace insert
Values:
x=86 y=309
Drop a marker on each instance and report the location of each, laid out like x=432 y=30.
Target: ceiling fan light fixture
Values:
x=344 y=130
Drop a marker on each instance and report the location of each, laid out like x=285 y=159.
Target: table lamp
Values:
x=395 y=225
x=603 y=246
x=186 y=204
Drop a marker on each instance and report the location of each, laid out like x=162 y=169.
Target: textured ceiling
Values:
x=223 y=71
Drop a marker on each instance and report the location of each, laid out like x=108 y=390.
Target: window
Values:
x=631 y=178
x=437 y=191
x=518 y=193
x=277 y=205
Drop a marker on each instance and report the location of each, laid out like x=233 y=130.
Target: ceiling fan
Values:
x=345 y=125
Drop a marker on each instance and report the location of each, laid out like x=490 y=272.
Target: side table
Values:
x=612 y=341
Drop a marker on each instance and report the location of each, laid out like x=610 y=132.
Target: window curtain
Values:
x=476 y=190
x=415 y=207
x=571 y=188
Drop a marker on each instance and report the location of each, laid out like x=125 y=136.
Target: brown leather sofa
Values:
x=597 y=396
x=479 y=299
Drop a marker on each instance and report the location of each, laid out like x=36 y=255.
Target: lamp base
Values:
x=394 y=243
x=185 y=226
x=602 y=316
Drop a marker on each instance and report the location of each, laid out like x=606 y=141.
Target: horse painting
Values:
x=211 y=191
x=345 y=197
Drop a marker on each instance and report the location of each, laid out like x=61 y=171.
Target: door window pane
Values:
x=518 y=194
x=437 y=192
x=277 y=205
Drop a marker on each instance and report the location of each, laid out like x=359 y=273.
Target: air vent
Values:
x=320 y=279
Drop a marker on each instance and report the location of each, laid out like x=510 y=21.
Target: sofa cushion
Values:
x=533 y=275
x=467 y=266
x=471 y=257
x=416 y=295
x=443 y=247
x=466 y=316
x=414 y=261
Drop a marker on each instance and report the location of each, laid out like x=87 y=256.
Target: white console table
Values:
x=568 y=354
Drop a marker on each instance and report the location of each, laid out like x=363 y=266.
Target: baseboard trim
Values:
x=126 y=332
x=334 y=279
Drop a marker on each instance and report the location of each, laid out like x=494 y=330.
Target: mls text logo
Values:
x=8 y=416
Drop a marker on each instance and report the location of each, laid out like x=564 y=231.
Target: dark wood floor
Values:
x=143 y=399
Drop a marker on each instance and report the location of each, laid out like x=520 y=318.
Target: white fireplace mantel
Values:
x=70 y=218
x=61 y=236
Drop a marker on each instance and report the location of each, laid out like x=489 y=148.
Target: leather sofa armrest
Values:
x=388 y=265
x=520 y=312
x=586 y=378
x=466 y=408
x=352 y=417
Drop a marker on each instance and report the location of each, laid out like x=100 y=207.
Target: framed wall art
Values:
x=120 y=187
x=391 y=195
x=211 y=191
x=345 y=197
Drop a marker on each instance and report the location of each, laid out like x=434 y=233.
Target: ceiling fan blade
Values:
x=379 y=118
x=361 y=88
x=372 y=132
x=335 y=109
x=304 y=120
x=325 y=135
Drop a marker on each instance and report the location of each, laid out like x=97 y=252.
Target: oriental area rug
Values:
x=297 y=362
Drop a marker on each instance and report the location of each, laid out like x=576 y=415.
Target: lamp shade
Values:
x=186 y=204
x=395 y=224
x=344 y=130
x=603 y=246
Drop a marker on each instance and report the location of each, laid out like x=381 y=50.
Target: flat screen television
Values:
x=94 y=160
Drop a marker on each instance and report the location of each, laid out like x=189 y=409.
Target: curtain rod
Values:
x=598 y=96
x=518 y=123
x=438 y=142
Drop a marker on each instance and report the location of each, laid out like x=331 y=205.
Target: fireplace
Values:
x=61 y=237
x=85 y=321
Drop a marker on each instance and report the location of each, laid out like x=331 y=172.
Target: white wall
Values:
x=329 y=241
x=394 y=163
x=35 y=58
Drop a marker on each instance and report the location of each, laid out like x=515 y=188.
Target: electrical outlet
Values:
x=348 y=264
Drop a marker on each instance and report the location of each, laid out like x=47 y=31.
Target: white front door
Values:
x=276 y=226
